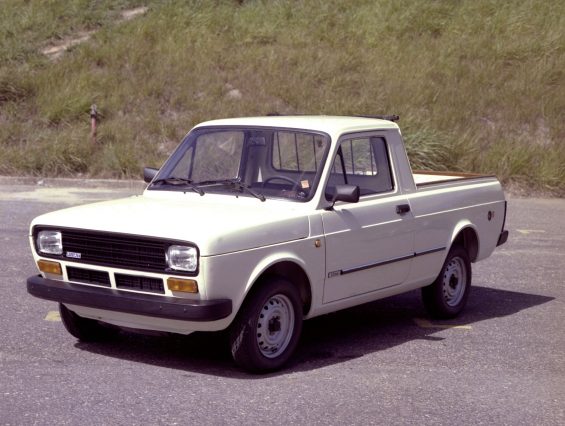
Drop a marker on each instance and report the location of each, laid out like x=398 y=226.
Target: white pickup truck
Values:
x=255 y=224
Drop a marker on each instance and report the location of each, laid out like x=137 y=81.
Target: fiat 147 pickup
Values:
x=255 y=224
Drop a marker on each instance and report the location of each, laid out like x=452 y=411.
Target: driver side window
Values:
x=363 y=162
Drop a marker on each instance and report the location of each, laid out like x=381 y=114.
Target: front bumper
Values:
x=115 y=300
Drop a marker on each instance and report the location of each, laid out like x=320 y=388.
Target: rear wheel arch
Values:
x=468 y=239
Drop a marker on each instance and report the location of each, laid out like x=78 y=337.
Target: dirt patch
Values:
x=56 y=49
x=134 y=13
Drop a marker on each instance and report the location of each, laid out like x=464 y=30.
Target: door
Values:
x=369 y=244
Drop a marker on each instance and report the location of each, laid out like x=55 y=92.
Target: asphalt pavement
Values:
x=502 y=362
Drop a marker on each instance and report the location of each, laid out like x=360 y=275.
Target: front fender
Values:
x=233 y=275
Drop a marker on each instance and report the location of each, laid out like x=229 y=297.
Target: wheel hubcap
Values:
x=275 y=326
x=454 y=281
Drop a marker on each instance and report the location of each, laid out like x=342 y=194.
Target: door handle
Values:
x=402 y=208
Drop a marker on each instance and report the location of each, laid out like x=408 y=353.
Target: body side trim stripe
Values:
x=423 y=253
x=386 y=262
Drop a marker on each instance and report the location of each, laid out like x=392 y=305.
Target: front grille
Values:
x=131 y=282
x=128 y=252
x=88 y=276
x=122 y=251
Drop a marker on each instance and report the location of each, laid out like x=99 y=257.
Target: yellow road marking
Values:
x=53 y=316
x=530 y=231
x=424 y=323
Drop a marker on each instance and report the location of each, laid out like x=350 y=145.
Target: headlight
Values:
x=182 y=258
x=50 y=242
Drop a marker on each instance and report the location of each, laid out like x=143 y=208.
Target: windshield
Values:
x=259 y=162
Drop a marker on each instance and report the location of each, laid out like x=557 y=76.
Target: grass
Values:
x=479 y=84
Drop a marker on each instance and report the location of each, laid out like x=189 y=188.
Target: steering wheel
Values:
x=295 y=184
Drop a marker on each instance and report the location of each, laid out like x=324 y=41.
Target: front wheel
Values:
x=447 y=295
x=266 y=330
x=84 y=329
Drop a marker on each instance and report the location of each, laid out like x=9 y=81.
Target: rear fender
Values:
x=466 y=234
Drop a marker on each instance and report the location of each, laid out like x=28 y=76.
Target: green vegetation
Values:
x=479 y=84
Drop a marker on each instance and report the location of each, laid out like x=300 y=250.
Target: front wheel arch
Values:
x=291 y=272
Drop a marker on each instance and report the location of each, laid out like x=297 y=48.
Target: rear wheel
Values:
x=266 y=330
x=84 y=329
x=447 y=296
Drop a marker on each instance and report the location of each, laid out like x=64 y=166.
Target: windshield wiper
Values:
x=236 y=184
x=176 y=181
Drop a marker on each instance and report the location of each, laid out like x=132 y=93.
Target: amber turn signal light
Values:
x=50 y=267
x=179 y=284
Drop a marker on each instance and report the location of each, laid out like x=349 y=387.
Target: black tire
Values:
x=267 y=328
x=447 y=296
x=84 y=329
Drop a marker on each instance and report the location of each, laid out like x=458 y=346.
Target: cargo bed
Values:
x=425 y=177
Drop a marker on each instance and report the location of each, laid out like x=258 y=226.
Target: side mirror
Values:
x=149 y=173
x=346 y=193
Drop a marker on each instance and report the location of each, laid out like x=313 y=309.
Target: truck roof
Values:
x=332 y=125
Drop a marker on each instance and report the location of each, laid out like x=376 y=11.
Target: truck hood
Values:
x=217 y=224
